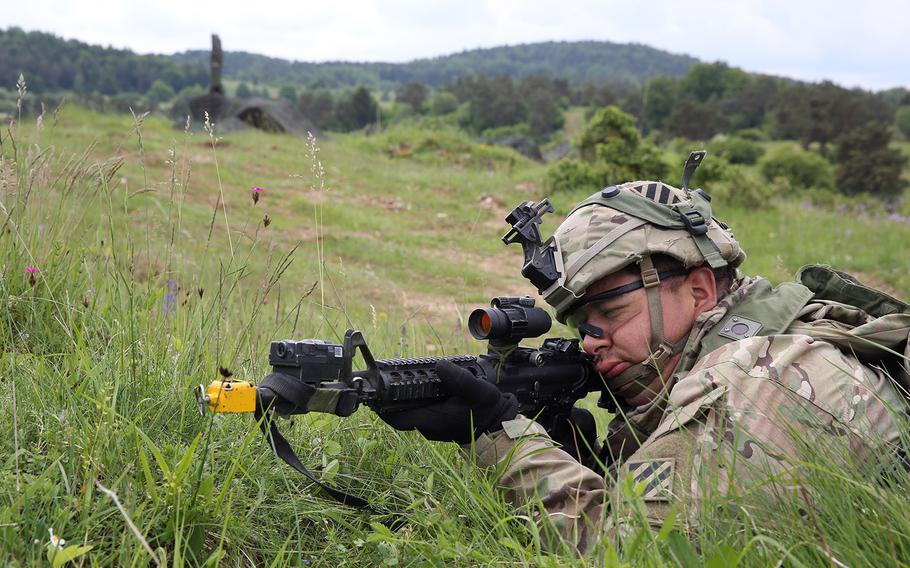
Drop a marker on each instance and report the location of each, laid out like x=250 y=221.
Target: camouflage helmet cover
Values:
x=618 y=226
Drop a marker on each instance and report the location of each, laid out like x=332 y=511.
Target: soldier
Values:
x=719 y=379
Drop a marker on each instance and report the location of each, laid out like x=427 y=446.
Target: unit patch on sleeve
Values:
x=657 y=477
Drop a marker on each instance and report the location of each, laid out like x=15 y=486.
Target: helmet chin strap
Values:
x=639 y=377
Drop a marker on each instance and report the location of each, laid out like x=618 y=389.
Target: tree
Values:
x=866 y=163
x=707 y=81
x=544 y=114
x=902 y=119
x=695 y=121
x=659 y=98
x=243 y=91
x=413 y=94
x=356 y=110
x=160 y=92
x=318 y=106
x=542 y=99
x=288 y=92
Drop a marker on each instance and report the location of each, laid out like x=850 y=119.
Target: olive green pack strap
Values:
x=766 y=311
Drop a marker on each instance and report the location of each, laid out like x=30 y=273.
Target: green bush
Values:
x=753 y=134
x=800 y=168
x=570 y=176
x=711 y=171
x=737 y=150
x=159 y=92
x=612 y=151
x=443 y=102
x=738 y=185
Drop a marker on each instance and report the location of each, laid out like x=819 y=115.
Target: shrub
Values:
x=611 y=138
x=443 y=102
x=737 y=150
x=574 y=175
x=800 y=168
x=159 y=92
x=753 y=134
x=733 y=184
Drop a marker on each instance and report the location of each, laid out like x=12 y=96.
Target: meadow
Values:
x=135 y=262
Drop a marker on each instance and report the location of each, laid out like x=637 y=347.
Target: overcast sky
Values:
x=860 y=43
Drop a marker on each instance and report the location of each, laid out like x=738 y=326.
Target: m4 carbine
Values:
x=549 y=378
x=315 y=376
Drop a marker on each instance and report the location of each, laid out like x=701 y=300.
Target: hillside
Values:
x=580 y=61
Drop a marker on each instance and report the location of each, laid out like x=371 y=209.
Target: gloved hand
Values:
x=473 y=403
x=576 y=432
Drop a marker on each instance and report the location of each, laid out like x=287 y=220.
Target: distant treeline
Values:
x=595 y=62
x=50 y=63
x=715 y=98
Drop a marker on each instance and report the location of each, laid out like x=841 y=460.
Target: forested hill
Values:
x=579 y=61
x=50 y=63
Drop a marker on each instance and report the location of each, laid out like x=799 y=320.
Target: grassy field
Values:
x=155 y=267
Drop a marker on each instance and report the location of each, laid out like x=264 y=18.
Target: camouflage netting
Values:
x=232 y=115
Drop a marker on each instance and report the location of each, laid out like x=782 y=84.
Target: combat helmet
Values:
x=623 y=225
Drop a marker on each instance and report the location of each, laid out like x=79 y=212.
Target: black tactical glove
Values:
x=474 y=407
x=576 y=432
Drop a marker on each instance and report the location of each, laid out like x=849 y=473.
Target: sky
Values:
x=856 y=44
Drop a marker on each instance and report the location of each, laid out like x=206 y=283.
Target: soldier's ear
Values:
x=702 y=287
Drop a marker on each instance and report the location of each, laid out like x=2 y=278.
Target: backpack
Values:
x=831 y=306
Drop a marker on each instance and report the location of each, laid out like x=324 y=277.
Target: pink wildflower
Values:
x=256 y=191
x=31 y=271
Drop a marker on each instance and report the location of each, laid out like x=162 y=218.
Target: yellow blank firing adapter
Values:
x=226 y=396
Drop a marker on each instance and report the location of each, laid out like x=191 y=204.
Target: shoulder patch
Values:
x=656 y=475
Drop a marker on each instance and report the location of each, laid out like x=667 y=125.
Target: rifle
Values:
x=316 y=376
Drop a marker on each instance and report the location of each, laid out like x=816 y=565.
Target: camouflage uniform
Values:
x=734 y=414
x=731 y=420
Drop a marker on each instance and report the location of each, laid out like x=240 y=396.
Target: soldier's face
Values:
x=626 y=324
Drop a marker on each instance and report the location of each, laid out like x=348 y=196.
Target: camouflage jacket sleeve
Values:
x=531 y=467
x=740 y=418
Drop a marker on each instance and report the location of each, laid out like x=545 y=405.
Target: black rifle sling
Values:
x=298 y=394
x=284 y=451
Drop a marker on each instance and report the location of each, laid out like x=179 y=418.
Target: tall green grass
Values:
x=148 y=281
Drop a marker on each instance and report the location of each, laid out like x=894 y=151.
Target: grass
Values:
x=138 y=298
